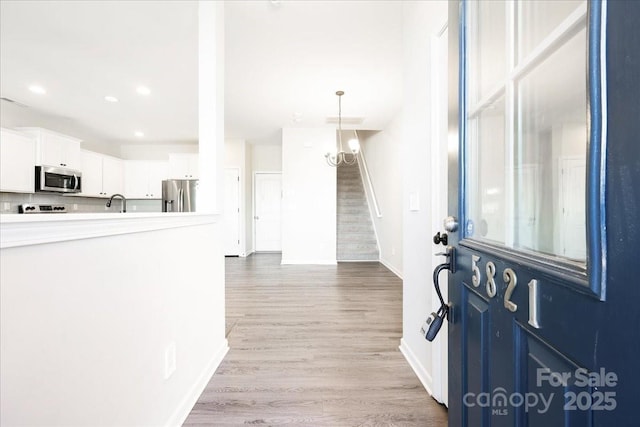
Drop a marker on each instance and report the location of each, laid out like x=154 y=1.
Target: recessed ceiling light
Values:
x=110 y=98
x=37 y=89
x=139 y=134
x=143 y=90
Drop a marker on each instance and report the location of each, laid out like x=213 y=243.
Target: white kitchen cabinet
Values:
x=17 y=162
x=55 y=149
x=183 y=166
x=101 y=175
x=143 y=178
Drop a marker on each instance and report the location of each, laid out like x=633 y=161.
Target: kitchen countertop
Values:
x=32 y=229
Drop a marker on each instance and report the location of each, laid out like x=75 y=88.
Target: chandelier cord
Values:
x=340 y=123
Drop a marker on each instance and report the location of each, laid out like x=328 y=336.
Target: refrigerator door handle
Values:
x=180 y=200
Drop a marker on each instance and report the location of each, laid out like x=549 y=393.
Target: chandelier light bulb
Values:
x=354 y=145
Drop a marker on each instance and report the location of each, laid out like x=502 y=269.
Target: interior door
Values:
x=231 y=212
x=267 y=219
x=545 y=190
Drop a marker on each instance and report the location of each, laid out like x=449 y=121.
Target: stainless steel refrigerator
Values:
x=179 y=195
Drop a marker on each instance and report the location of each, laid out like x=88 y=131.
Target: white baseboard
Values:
x=308 y=261
x=417 y=367
x=391 y=267
x=246 y=254
x=184 y=408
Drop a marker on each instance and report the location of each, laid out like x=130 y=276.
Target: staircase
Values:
x=356 y=237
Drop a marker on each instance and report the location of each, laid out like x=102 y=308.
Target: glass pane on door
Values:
x=487 y=48
x=526 y=151
x=537 y=19
x=550 y=154
x=486 y=194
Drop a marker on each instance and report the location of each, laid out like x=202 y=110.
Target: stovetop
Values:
x=41 y=209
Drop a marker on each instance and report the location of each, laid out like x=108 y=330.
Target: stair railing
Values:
x=364 y=172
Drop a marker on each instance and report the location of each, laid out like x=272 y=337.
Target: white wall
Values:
x=384 y=162
x=421 y=21
x=84 y=343
x=308 y=197
x=266 y=158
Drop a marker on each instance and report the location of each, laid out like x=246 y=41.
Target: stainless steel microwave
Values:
x=58 y=180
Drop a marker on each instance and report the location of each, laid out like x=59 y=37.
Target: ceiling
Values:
x=284 y=61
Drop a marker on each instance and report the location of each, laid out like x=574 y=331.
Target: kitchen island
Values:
x=108 y=319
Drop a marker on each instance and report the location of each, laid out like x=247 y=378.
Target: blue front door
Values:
x=544 y=322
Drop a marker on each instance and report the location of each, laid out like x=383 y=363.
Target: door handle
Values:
x=256 y=217
x=451 y=224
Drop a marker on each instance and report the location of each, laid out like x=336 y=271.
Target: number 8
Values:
x=491 y=283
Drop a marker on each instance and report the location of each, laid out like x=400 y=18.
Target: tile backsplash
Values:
x=9 y=203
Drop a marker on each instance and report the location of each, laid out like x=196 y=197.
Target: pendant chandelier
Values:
x=338 y=156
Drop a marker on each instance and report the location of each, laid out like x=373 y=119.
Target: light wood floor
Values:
x=314 y=346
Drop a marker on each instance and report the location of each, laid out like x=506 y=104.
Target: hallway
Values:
x=313 y=346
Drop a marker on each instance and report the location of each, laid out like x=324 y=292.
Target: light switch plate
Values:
x=414 y=202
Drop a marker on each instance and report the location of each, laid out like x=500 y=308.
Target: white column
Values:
x=211 y=105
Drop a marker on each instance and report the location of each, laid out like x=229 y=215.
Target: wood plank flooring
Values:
x=313 y=346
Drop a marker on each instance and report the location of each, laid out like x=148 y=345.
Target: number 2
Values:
x=510 y=278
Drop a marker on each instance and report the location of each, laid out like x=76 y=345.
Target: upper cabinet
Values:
x=17 y=162
x=183 y=166
x=55 y=149
x=143 y=178
x=102 y=175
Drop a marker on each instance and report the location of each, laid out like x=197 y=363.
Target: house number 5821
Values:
x=511 y=280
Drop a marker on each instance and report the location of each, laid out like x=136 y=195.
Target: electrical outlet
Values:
x=393 y=250
x=6 y=206
x=135 y=208
x=75 y=206
x=169 y=360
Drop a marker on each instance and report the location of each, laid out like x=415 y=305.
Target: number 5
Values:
x=477 y=277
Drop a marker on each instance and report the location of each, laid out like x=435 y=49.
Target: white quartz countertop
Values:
x=8 y=218
x=32 y=229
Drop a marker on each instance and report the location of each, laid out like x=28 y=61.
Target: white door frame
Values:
x=439 y=180
x=240 y=211
x=253 y=202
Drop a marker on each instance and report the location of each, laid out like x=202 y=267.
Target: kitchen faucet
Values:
x=124 y=202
